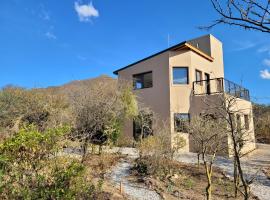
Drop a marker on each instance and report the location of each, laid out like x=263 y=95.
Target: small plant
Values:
x=100 y=185
x=170 y=188
x=188 y=183
x=141 y=167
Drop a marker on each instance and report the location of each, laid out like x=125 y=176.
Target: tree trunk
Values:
x=209 y=181
x=141 y=136
x=245 y=185
x=241 y=174
x=235 y=178
x=237 y=159
x=209 y=192
x=208 y=170
x=198 y=160
x=84 y=149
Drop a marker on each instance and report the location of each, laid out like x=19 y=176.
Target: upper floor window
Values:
x=180 y=75
x=198 y=77
x=181 y=122
x=143 y=80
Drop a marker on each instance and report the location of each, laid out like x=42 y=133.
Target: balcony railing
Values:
x=220 y=85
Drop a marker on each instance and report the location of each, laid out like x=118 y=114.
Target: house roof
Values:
x=180 y=46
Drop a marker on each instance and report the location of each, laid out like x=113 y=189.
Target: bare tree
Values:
x=99 y=111
x=248 y=14
x=19 y=106
x=208 y=136
x=226 y=108
x=143 y=122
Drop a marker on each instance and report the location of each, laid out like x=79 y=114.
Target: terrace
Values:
x=220 y=85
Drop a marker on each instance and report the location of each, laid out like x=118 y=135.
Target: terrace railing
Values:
x=220 y=85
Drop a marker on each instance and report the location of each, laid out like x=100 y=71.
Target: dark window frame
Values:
x=247 y=122
x=141 y=74
x=182 y=127
x=179 y=67
x=238 y=122
x=199 y=82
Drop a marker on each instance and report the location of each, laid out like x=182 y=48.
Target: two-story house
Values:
x=173 y=82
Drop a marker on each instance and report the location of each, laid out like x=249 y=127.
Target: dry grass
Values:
x=101 y=164
x=97 y=166
x=183 y=181
x=125 y=141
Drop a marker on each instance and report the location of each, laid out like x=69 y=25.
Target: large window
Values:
x=180 y=75
x=198 y=77
x=143 y=80
x=181 y=122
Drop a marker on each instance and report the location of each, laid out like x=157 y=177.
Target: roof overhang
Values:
x=178 y=47
x=188 y=46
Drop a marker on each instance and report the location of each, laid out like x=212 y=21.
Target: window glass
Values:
x=143 y=80
x=219 y=85
x=238 y=122
x=246 y=122
x=180 y=75
x=181 y=122
x=199 y=77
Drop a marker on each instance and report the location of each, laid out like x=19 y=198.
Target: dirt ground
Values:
x=97 y=166
x=187 y=182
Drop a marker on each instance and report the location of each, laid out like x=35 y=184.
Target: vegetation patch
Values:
x=174 y=180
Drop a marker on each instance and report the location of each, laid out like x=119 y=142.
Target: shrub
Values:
x=30 y=168
x=156 y=153
x=20 y=107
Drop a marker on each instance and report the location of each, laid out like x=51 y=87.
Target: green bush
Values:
x=30 y=168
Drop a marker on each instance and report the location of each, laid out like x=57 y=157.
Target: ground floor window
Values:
x=246 y=118
x=238 y=122
x=181 y=122
x=198 y=77
x=142 y=126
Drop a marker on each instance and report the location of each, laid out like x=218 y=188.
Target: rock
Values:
x=178 y=194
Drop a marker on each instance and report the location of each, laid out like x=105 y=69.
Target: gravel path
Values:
x=120 y=173
x=251 y=164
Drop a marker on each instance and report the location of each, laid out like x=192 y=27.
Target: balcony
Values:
x=220 y=85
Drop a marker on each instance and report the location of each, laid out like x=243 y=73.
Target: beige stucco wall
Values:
x=165 y=98
x=157 y=97
x=238 y=106
x=181 y=95
x=243 y=107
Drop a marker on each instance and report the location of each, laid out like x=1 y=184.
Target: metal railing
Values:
x=220 y=85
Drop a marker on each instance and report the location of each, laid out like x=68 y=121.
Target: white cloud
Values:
x=85 y=11
x=244 y=45
x=44 y=13
x=265 y=74
x=266 y=62
x=264 y=49
x=50 y=35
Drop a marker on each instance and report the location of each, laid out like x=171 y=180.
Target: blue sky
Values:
x=47 y=42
